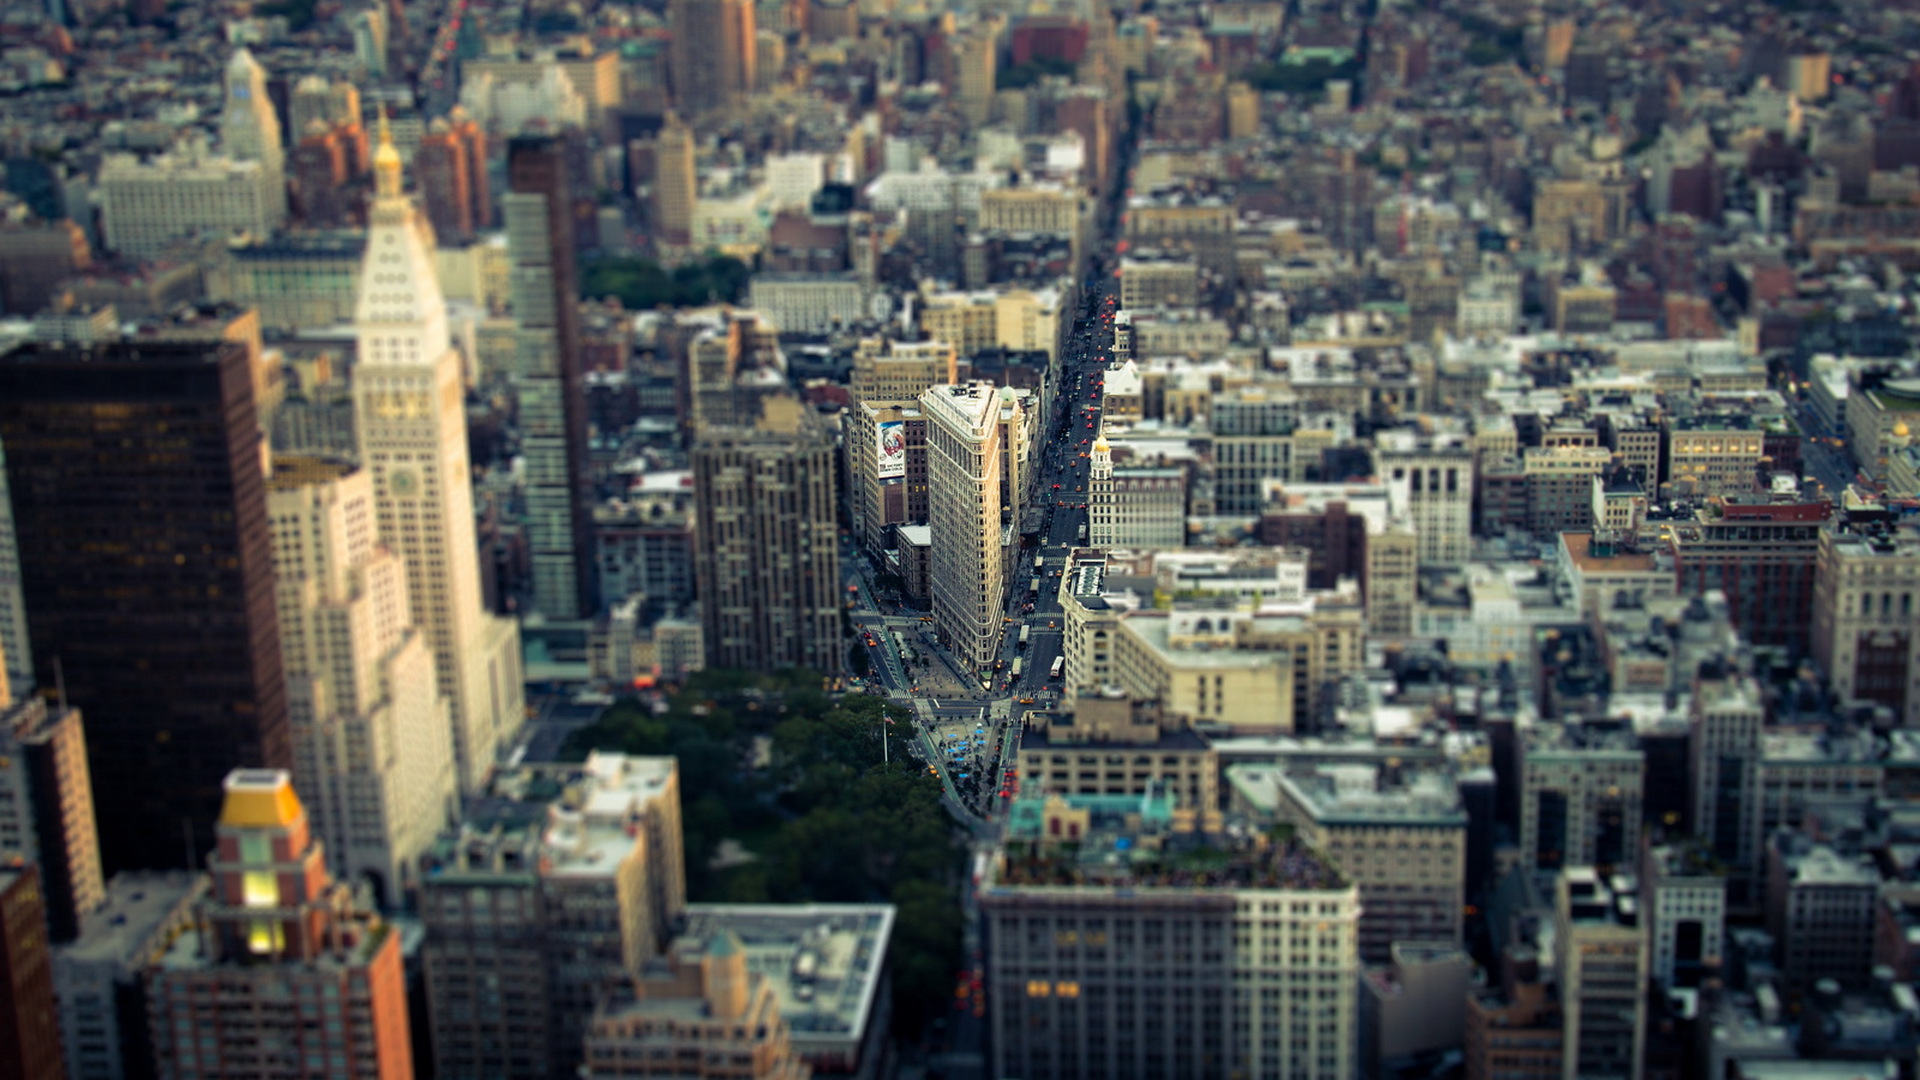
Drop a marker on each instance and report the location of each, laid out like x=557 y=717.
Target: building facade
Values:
x=372 y=742
x=767 y=555
x=964 y=463
x=141 y=512
x=283 y=959
x=410 y=419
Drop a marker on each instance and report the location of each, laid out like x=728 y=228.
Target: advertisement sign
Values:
x=892 y=449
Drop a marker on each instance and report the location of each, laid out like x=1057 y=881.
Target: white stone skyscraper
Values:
x=410 y=416
x=372 y=745
x=963 y=508
x=250 y=129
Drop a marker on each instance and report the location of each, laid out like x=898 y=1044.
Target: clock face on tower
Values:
x=403 y=483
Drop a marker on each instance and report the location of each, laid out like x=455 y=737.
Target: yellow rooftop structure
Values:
x=260 y=799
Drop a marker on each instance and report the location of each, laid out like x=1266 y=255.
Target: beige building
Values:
x=1713 y=456
x=1102 y=742
x=1159 y=284
x=1054 y=209
x=1134 y=968
x=766 y=542
x=886 y=371
x=1601 y=959
x=410 y=420
x=1879 y=419
x=676 y=187
x=965 y=460
x=1400 y=836
x=1580 y=797
x=1866 y=627
x=1430 y=483
x=702 y=1009
x=567 y=881
x=147 y=205
x=372 y=741
x=1187 y=662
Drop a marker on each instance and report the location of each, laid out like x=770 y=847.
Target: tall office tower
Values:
x=369 y=29
x=1433 y=485
x=441 y=165
x=1601 y=959
x=1580 y=791
x=250 y=129
x=767 y=558
x=410 y=416
x=1865 y=587
x=320 y=177
x=1727 y=714
x=975 y=65
x=372 y=744
x=16 y=653
x=286 y=963
x=145 y=553
x=46 y=809
x=712 y=53
x=553 y=405
x=1137 y=506
x=675 y=185
x=968 y=571
x=541 y=903
x=473 y=140
x=29 y=1019
x=1136 y=968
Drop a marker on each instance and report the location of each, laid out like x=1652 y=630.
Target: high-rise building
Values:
x=440 y=164
x=1141 y=507
x=1600 y=947
x=1580 y=791
x=553 y=406
x=963 y=508
x=1136 y=968
x=1432 y=485
x=29 y=1021
x=1866 y=583
x=1727 y=715
x=1686 y=913
x=250 y=129
x=473 y=141
x=1401 y=836
x=767 y=558
x=100 y=978
x=319 y=176
x=675 y=184
x=1820 y=909
x=975 y=65
x=712 y=55
x=286 y=967
x=1763 y=555
x=46 y=809
x=145 y=551
x=410 y=416
x=537 y=905
x=372 y=745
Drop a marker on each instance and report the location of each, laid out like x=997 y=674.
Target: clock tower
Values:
x=411 y=423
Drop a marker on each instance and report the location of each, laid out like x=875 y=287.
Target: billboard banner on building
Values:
x=892 y=449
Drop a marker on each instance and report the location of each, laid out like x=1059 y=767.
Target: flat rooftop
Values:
x=138 y=906
x=1353 y=794
x=829 y=1009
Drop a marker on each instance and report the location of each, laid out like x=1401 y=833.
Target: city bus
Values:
x=1019 y=663
x=1024 y=632
x=1059 y=665
x=1039 y=563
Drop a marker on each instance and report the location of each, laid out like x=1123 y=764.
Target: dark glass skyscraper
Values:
x=553 y=405
x=146 y=568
